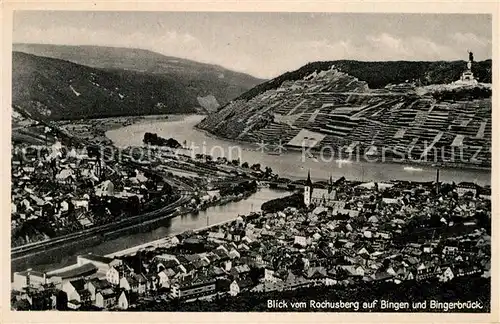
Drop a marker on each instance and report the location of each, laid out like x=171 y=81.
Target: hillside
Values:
x=214 y=85
x=64 y=90
x=321 y=105
x=380 y=74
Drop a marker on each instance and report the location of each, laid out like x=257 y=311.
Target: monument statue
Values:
x=467 y=77
x=471 y=57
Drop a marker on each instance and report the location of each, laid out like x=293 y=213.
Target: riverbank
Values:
x=65 y=256
x=360 y=155
x=164 y=242
x=160 y=243
x=96 y=128
x=101 y=127
x=290 y=164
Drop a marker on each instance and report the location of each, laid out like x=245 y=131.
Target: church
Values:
x=318 y=195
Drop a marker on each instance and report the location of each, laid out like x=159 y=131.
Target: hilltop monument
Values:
x=467 y=77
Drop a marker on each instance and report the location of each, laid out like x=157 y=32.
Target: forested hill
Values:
x=67 y=82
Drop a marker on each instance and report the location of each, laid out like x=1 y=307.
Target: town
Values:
x=251 y=162
x=61 y=188
x=330 y=233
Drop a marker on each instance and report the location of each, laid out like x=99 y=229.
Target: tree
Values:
x=134 y=205
x=484 y=221
x=255 y=274
x=21 y=305
x=167 y=189
x=61 y=300
x=255 y=167
x=275 y=205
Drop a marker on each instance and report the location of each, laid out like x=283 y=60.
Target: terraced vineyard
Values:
x=335 y=109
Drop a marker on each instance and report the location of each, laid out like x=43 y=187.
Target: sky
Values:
x=266 y=45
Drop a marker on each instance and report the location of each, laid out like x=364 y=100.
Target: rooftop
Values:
x=84 y=270
x=96 y=258
x=31 y=273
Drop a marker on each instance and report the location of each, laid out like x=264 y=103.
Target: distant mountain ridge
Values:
x=154 y=84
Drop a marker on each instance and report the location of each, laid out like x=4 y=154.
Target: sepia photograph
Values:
x=218 y=161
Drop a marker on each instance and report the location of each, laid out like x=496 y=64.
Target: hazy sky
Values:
x=266 y=44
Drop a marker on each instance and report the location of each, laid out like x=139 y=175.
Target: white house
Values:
x=354 y=270
x=135 y=282
x=383 y=235
x=450 y=249
x=300 y=240
x=106 y=188
x=316 y=236
x=464 y=187
x=363 y=250
x=76 y=291
x=367 y=234
x=81 y=203
x=65 y=174
x=163 y=279
x=123 y=302
x=113 y=276
x=269 y=276
x=95 y=285
x=428 y=248
x=446 y=275
x=106 y=298
x=240 y=285
x=233 y=254
x=234 y=289
x=421 y=268
x=64 y=206
x=28 y=278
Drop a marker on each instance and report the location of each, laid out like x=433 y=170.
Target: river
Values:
x=290 y=164
x=212 y=215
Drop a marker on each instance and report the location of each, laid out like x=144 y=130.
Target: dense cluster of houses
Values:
x=54 y=185
x=368 y=233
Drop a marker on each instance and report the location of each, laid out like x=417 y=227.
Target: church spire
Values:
x=308 y=189
x=308 y=182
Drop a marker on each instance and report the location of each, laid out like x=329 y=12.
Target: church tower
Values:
x=307 y=190
x=332 y=193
